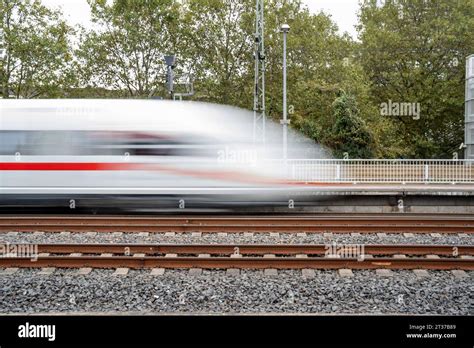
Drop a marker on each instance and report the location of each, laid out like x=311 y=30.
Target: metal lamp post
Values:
x=285 y=28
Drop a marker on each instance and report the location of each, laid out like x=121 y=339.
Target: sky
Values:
x=343 y=12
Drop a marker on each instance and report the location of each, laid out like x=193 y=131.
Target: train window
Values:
x=54 y=143
x=100 y=143
x=149 y=144
x=34 y=143
x=11 y=142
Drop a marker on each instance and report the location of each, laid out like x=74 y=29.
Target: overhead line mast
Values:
x=259 y=88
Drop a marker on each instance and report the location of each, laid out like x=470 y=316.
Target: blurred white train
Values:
x=105 y=148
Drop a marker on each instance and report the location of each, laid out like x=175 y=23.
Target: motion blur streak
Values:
x=126 y=144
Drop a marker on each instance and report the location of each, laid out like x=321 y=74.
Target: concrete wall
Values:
x=383 y=204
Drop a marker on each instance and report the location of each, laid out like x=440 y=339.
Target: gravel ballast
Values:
x=238 y=238
x=26 y=291
x=250 y=292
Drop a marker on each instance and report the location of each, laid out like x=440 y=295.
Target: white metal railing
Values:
x=381 y=171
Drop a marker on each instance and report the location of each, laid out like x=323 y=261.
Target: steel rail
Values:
x=362 y=219
x=445 y=229
x=283 y=224
x=246 y=249
x=241 y=263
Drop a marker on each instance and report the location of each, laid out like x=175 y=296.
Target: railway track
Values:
x=387 y=223
x=139 y=256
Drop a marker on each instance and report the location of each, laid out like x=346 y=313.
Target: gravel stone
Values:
x=250 y=292
x=239 y=238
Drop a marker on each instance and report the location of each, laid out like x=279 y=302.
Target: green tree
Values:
x=349 y=133
x=214 y=40
x=413 y=52
x=38 y=50
x=126 y=49
x=321 y=64
x=218 y=46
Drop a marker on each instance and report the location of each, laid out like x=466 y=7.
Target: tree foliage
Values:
x=349 y=135
x=37 y=41
x=408 y=51
x=218 y=44
x=413 y=51
x=126 y=50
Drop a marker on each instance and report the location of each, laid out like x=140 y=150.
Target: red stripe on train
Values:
x=85 y=166
x=64 y=166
